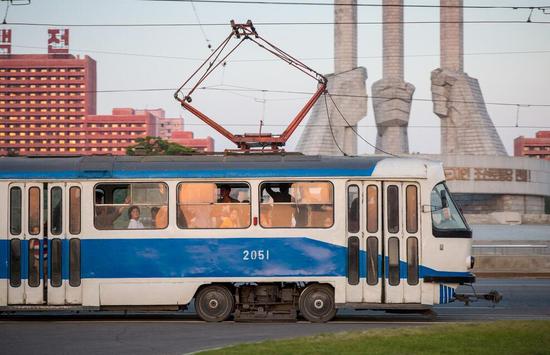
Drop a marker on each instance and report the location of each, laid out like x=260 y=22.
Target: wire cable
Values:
x=330 y=125
x=315 y=3
x=200 y=26
x=355 y=131
x=145 y=55
x=297 y=23
x=245 y=89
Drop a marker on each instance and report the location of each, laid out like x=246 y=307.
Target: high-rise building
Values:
x=48 y=107
x=44 y=99
x=112 y=134
x=538 y=147
x=186 y=138
x=172 y=129
x=165 y=126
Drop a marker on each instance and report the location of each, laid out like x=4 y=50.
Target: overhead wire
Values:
x=318 y=3
x=208 y=44
x=330 y=125
x=541 y=51
x=295 y=23
x=310 y=93
x=355 y=130
x=245 y=89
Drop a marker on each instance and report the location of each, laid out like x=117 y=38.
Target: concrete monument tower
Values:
x=347 y=79
x=391 y=96
x=466 y=127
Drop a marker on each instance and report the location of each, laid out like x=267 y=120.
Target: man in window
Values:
x=225 y=195
x=105 y=216
x=283 y=195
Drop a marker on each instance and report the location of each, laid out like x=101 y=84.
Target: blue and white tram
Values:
x=260 y=236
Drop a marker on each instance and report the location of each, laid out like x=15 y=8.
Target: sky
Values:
x=511 y=61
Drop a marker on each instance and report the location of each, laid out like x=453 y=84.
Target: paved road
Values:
x=182 y=333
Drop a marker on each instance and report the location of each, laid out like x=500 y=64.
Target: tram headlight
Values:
x=470 y=262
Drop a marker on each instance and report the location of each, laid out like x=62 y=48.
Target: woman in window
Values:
x=133 y=214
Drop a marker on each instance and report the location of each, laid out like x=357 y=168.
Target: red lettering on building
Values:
x=58 y=40
x=5 y=41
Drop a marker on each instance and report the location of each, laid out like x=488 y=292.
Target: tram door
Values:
x=63 y=244
x=401 y=242
x=39 y=249
x=364 y=242
x=26 y=235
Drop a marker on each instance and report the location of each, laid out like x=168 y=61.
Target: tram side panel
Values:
x=138 y=275
x=4 y=245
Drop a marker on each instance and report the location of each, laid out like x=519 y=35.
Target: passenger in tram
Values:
x=283 y=195
x=154 y=213
x=160 y=219
x=283 y=212
x=225 y=195
x=232 y=221
x=133 y=214
x=105 y=216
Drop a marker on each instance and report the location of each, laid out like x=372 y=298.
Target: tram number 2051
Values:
x=259 y=254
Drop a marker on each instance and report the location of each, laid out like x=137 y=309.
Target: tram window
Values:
x=74 y=262
x=55 y=255
x=56 y=210
x=412 y=209
x=353 y=260
x=130 y=206
x=372 y=209
x=447 y=221
x=372 y=261
x=15 y=263
x=15 y=210
x=393 y=261
x=34 y=210
x=353 y=209
x=213 y=205
x=34 y=262
x=74 y=210
x=412 y=261
x=296 y=205
x=393 y=209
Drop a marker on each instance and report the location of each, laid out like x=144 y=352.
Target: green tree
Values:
x=157 y=146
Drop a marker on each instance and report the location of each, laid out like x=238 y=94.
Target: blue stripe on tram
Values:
x=210 y=257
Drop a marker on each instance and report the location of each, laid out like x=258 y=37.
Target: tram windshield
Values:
x=446 y=217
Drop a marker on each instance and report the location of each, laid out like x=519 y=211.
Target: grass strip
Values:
x=500 y=337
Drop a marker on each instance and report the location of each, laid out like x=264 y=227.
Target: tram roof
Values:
x=205 y=166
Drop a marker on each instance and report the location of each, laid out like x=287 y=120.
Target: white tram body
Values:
x=256 y=236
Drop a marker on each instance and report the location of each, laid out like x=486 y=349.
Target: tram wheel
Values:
x=317 y=303
x=214 y=303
